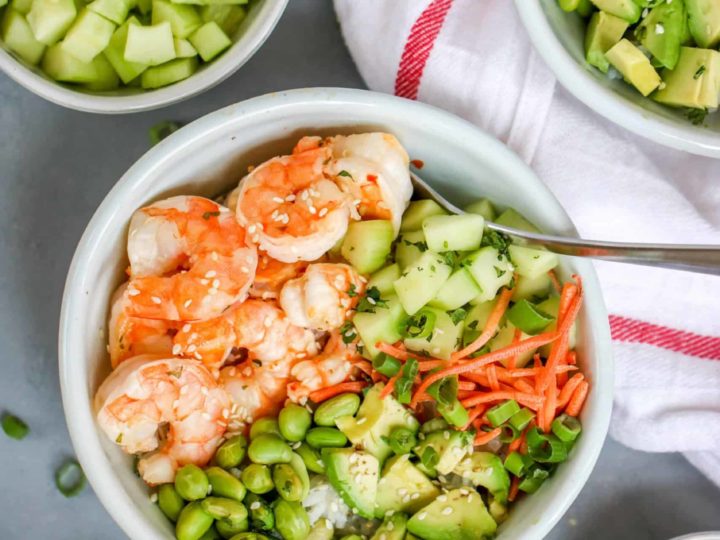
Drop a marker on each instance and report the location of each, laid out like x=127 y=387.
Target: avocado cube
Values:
x=151 y=45
x=625 y=9
x=50 y=19
x=603 y=31
x=88 y=36
x=487 y=470
x=704 y=22
x=634 y=66
x=663 y=31
x=694 y=82
x=399 y=482
x=459 y=514
x=18 y=37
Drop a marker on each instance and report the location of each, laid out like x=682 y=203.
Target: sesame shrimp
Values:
x=145 y=394
x=272 y=274
x=322 y=298
x=290 y=208
x=189 y=260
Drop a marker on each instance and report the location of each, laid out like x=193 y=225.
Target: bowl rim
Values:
x=583 y=86
x=73 y=382
x=211 y=74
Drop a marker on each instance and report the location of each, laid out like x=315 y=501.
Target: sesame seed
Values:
x=198 y=355
x=204 y=281
x=278 y=200
x=442 y=498
x=422 y=515
x=244 y=269
x=470 y=498
x=216 y=283
x=251 y=229
x=214 y=256
x=361 y=421
x=206 y=416
x=256 y=238
x=659 y=29
x=186 y=328
x=183 y=390
x=446 y=435
x=447 y=511
x=312 y=210
x=133 y=292
x=322 y=212
x=213 y=291
x=255 y=505
x=390 y=526
x=204 y=391
x=415 y=496
x=370 y=300
x=402 y=491
x=153 y=497
x=156 y=300
x=357 y=202
x=177 y=348
x=210 y=274
x=187 y=303
x=328 y=525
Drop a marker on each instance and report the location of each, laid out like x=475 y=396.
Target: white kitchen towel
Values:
x=473 y=58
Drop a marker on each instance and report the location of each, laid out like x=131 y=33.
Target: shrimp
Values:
x=189 y=260
x=271 y=275
x=148 y=392
x=260 y=327
x=290 y=208
x=132 y=336
x=322 y=298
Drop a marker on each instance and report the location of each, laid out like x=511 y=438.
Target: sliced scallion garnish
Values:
x=14 y=427
x=69 y=478
x=161 y=130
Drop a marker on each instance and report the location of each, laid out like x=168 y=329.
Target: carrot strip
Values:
x=548 y=409
x=397 y=352
x=569 y=291
x=571 y=358
x=318 y=396
x=517 y=443
x=569 y=389
x=578 y=399
x=516 y=339
x=524 y=386
x=429 y=365
x=472 y=415
x=514 y=488
x=491 y=327
x=529 y=400
x=390 y=386
x=555 y=281
x=484 y=438
x=364 y=366
x=466 y=385
x=492 y=378
x=532 y=372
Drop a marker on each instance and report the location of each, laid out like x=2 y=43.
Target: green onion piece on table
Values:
x=566 y=428
x=502 y=412
x=69 y=478
x=14 y=427
x=161 y=130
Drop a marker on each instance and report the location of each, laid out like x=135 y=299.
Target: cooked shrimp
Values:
x=131 y=336
x=189 y=260
x=272 y=274
x=322 y=298
x=260 y=327
x=290 y=208
x=147 y=392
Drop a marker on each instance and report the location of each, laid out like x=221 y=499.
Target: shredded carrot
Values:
x=531 y=372
x=492 y=378
x=548 y=409
x=517 y=443
x=571 y=358
x=390 y=386
x=484 y=438
x=466 y=385
x=429 y=365
x=514 y=485
x=524 y=386
x=364 y=366
x=537 y=362
x=569 y=389
x=555 y=281
x=516 y=339
x=491 y=327
x=569 y=291
x=578 y=399
x=474 y=413
x=529 y=400
x=396 y=351
x=318 y=396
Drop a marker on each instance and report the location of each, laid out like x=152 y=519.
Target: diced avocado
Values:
x=457 y=291
x=531 y=288
x=504 y=338
x=694 y=82
x=552 y=306
x=50 y=19
x=113 y=10
x=625 y=9
x=453 y=233
x=450 y=445
x=483 y=207
x=634 y=66
x=322 y=530
x=487 y=470
x=421 y=281
x=704 y=21
x=662 y=32
x=603 y=31
x=491 y=270
x=393 y=528
x=209 y=40
x=460 y=514
x=444 y=338
x=151 y=45
x=497 y=510
x=399 y=482
x=169 y=72
x=21 y=6
x=18 y=37
x=530 y=262
x=354 y=475
x=105 y=76
x=417 y=212
x=512 y=218
x=63 y=67
x=183 y=48
x=383 y=279
x=410 y=248
x=88 y=36
x=385 y=324
x=115 y=53
x=367 y=244
x=227 y=16
x=184 y=19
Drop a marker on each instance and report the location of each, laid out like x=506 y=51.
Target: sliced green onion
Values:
x=566 y=428
x=161 y=130
x=528 y=318
x=387 y=365
x=402 y=440
x=429 y=458
x=69 y=478
x=445 y=390
x=501 y=413
x=536 y=438
x=403 y=386
x=533 y=480
x=508 y=433
x=521 y=419
x=434 y=424
x=553 y=451
x=515 y=464
x=421 y=324
x=14 y=427
x=454 y=413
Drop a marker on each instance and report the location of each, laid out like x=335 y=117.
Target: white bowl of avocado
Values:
x=121 y=56
x=651 y=67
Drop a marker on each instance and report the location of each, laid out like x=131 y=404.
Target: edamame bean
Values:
x=267 y=424
x=322 y=530
x=192 y=522
x=352 y=537
x=311 y=458
x=211 y=534
x=342 y=405
x=294 y=421
x=170 y=501
x=231 y=452
x=287 y=482
x=291 y=520
x=300 y=469
x=261 y=515
x=257 y=478
x=325 y=437
x=269 y=449
x=250 y=536
x=230 y=530
x=225 y=509
x=191 y=483
x=225 y=484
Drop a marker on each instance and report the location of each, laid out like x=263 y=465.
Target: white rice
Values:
x=323 y=502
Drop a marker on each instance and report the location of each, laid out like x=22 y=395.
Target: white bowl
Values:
x=252 y=33
x=558 y=36
x=208 y=157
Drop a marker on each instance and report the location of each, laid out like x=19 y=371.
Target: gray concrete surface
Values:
x=56 y=165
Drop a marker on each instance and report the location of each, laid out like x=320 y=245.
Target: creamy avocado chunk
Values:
x=662 y=32
x=704 y=21
x=393 y=528
x=634 y=66
x=603 y=32
x=694 y=82
x=459 y=514
x=625 y=9
x=403 y=488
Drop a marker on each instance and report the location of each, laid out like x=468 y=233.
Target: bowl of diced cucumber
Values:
x=120 y=56
x=651 y=66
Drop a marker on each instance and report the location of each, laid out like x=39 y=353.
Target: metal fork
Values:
x=704 y=259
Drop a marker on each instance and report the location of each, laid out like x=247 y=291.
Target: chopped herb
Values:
x=458 y=315
x=699 y=72
x=404 y=383
x=347 y=331
x=432 y=267
x=696 y=116
x=450 y=258
x=69 y=478
x=370 y=301
x=352 y=290
x=472 y=325
x=161 y=130
x=499 y=271
x=14 y=427
x=118 y=439
x=445 y=244
x=208 y=215
x=498 y=240
x=175 y=372
x=344 y=173
x=422 y=246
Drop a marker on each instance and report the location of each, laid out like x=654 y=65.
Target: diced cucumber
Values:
x=385 y=324
x=151 y=45
x=482 y=207
x=504 y=338
x=183 y=19
x=513 y=218
x=113 y=10
x=529 y=288
x=532 y=263
x=168 y=73
x=445 y=337
x=476 y=320
x=184 y=49
x=410 y=248
x=528 y=317
x=457 y=291
x=491 y=270
x=417 y=212
x=209 y=40
x=454 y=233
x=21 y=6
x=421 y=281
x=383 y=279
x=88 y=36
x=144 y=6
x=18 y=37
x=50 y=19
x=367 y=244
x=64 y=67
x=552 y=307
x=105 y=76
x=115 y=53
x=227 y=16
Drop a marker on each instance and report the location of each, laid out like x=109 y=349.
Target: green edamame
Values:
x=311 y=458
x=257 y=478
x=342 y=405
x=192 y=522
x=224 y=509
x=294 y=421
x=191 y=483
x=322 y=530
x=352 y=537
x=231 y=452
x=326 y=437
x=230 y=530
x=268 y=449
x=261 y=515
x=291 y=520
x=225 y=484
x=287 y=483
x=300 y=469
x=250 y=536
x=267 y=424
x=170 y=501
x=211 y=534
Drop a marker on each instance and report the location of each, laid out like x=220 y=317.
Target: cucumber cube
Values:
x=513 y=218
x=421 y=281
x=115 y=53
x=367 y=244
x=227 y=16
x=168 y=73
x=410 y=248
x=529 y=289
x=50 y=19
x=88 y=36
x=151 y=45
x=532 y=263
x=183 y=19
x=18 y=37
x=483 y=207
x=184 y=49
x=383 y=279
x=476 y=320
x=64 y=67
x=457 y=291
x=443 y=340
x=454 y=233
x=385 y=324
x=491 y=270
x=209 y=40
x=113 y=10
x=417 y=212
x=21 y=6
x=144 y=6
x=106 y=77
x=504 y=338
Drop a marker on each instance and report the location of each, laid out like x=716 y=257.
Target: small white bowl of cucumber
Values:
x=651 y=67
x=122 y=56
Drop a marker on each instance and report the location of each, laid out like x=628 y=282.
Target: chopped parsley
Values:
x=499 y=271
x=696 y=116
x=175 y=372
x=498 y=240
x=450 y=258
x=422 y=246
x=699 y=72
x=348 y=333
x=370 y=301
x=352 y=290
x=472 y=325
x=344 y=173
